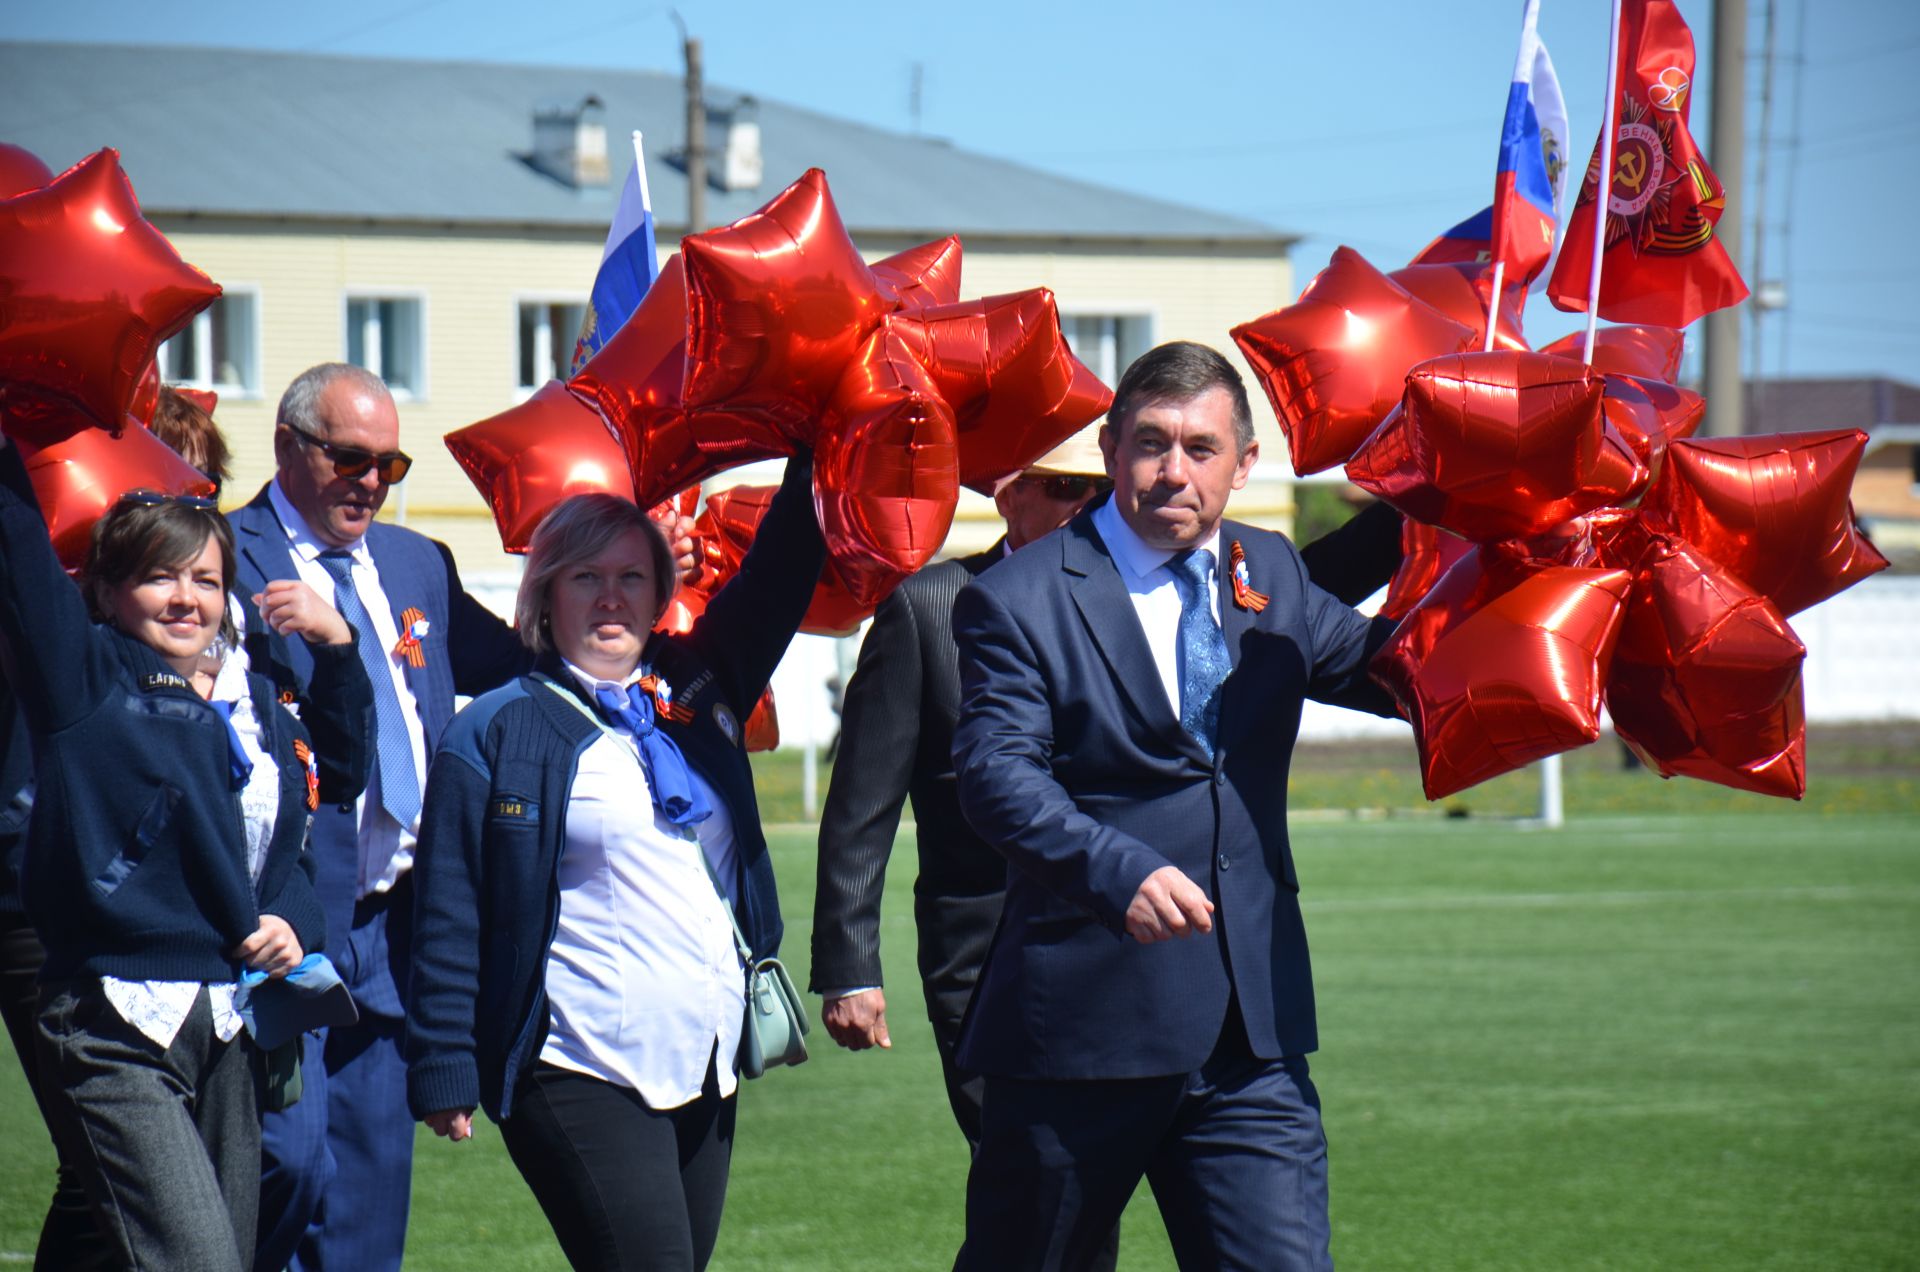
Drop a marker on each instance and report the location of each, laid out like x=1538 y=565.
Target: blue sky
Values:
x=1371 y=122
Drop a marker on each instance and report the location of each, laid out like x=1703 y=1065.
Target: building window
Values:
x=387 y=336
x=548 y=330
x=1108 y=343
x=219 y=349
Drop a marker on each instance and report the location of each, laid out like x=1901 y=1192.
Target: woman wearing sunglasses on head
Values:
x=165 y=855
x=575 y=966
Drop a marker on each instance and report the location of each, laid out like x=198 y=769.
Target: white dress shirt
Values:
x=158 y=1008
x=1155 y=594
x=386 y=847
x=644 y=982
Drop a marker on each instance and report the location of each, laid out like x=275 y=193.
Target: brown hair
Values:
x=1180 y=371
x=579 y=529
x=133 y=539
x=181 y=424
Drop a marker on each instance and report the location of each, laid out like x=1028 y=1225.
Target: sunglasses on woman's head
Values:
x=352 y=463
x=1067 y=489
x=160 y=499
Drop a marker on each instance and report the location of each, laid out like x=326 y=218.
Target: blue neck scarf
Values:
x=667 y=776
x=239 y=767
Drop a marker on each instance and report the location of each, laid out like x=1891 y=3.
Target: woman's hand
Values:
x=292 y=608
x=681 y=542
x=453 y=1124
x=273 y=948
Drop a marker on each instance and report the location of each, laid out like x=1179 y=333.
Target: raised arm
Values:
x=879 y=739
x=1358 y=559
x=60 y=665
x=750 y=623
x=1002 y=752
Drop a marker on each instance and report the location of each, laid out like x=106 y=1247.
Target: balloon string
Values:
x=1493 y=305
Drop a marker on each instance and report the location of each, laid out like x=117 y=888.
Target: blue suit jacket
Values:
x=1072 y=763
x=467 y=650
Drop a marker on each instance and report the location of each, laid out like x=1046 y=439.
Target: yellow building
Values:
x=441 y=224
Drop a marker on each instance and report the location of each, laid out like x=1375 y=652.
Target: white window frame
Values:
x=400 y=393
x=202 y=324
x=521 y=392
x=1150 y=314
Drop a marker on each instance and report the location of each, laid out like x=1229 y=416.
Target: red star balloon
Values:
x=1705 y=681
x=921 y=277
x=777 y=304
x=206 y=399
x=1004 y=366
x=528 y=458
x=1651 y=414
x=90 y=290
x=1771 y=510
x=1334 y=363
x=1426 y=554
x=722 y=534
x=1499 y=445
x=885 y=469
x=20 y=171
x=78 y=478
x=1461 y=292
x=1502 y=664
x=1652 y=353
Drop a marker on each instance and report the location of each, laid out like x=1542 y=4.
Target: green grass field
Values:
x=1683 y=1032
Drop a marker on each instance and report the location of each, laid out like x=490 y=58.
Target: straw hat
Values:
x=1078 y=456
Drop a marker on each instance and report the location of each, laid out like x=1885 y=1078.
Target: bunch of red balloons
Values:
x=773 y=334
x=89 y=290
x=1567 y=544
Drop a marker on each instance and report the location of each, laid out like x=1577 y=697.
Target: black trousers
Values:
x=70 y=1241
x=624 y=1186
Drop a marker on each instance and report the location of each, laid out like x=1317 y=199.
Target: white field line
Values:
x=1548 y=900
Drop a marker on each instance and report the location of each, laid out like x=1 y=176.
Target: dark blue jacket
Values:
x=487 y=893
x=1072 y=763
x=136 y=864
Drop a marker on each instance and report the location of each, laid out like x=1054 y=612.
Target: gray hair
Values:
x=300 y=404
x=579 y=529
x=1180 y=371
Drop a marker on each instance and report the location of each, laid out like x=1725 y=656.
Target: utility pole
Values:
x=1726 y=398
x=696 y=139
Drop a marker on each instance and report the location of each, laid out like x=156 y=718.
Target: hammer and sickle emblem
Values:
x=1631 y=170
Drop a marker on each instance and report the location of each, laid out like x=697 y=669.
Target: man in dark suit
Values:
x=1131 y=688
x=336 y=1166
x=896 y=742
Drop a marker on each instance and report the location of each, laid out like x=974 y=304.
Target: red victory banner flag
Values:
x=1661 y=264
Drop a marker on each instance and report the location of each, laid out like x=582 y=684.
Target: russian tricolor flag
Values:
x=1532 y=168
x=628 y=266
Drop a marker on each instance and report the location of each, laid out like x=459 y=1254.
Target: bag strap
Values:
x=573 y=700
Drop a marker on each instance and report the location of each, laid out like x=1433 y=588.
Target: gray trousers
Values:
x=166 y=1142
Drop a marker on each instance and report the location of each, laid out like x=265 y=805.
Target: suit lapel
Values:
x=1235 y=622
x=1114 y=625
x=396 y=582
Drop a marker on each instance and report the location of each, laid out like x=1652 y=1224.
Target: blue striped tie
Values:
x=399 y=780
x=1204 y=661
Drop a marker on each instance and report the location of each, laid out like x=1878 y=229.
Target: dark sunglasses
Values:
x=352 y=463
x=157 y=499
x=1068 y=489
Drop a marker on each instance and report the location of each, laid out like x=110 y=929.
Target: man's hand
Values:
x=273 y=948
x=858 y=1021
x=453 y=1124
x=1168 y=905
x=292 y=608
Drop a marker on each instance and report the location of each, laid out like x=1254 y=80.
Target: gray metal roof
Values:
x=250 y=133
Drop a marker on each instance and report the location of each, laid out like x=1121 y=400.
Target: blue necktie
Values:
x=239 y=767
x=399 y=779
x=1204 y=662
x=667 y=776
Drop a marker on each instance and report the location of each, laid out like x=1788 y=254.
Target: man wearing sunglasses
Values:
x=336 y=1165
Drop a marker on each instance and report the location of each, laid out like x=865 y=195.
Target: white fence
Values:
x=1861 y=664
